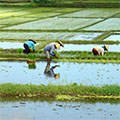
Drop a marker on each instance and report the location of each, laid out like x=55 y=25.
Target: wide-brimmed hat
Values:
x=61 y=44
x=106 y=47
x=32 y=40
x=57 y=76
x=57 y=45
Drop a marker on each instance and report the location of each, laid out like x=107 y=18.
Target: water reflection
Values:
x=49 y=71
x=80 y=73
x=31 y=65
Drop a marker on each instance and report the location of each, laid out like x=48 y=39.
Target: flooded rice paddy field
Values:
x=106 y=25
x=55 y=23
x=89 y=47
x=59 y=24
x=97 y=12
x=42 y=73
x=113 y=38
x=49 y=35
x=12 y=45
x=36 y=110
x=9 y=45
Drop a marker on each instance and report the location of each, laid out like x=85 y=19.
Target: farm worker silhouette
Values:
x=51 y=48
x=29 y=44
x=100 y=50
x=49 y=71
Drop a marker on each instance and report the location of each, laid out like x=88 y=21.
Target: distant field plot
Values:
x=55 y=24
x=4 y=10
x=109 y=24
x=85 y=36
x=9 y=14
x=117 y=16
x=2 y=26
x=48 y=35
x=42 y=14
x=113 y=38
x=96 y=12
x=15 y=20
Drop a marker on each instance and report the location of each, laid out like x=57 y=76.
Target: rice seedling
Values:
x=31 y=57
x=19 y=51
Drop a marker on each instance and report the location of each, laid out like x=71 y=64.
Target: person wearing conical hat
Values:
x=29 y=44
x=50 y=48
x=100 y=50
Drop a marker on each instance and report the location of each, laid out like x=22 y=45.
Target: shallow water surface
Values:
x=88 y=47
x=56 y=110
x=113 y=38
x=9 y=45
x=43 y=73
x=13 y=45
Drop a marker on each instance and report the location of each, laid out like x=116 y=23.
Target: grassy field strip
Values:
x=96 y=12
x=107 y=25
x=80 y=91
x=55 y=24
x=70 y=36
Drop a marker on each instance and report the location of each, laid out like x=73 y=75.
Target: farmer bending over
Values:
x=50 y=48
x=100 y=50
x=28 y=44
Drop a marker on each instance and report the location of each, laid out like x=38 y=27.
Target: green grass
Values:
x=72 y=90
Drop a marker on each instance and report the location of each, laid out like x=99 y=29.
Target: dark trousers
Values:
x=94 y=52
x=26 y=50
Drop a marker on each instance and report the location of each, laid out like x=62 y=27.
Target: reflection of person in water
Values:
x=49 y=71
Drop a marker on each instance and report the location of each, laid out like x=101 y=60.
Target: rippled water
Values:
x=56 y=110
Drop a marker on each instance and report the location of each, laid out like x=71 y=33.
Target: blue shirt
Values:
x=50 y=48
x=30 y=44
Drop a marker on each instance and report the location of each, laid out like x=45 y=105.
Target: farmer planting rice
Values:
x=51 y=49
x=100 y=50
x=29 y=44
